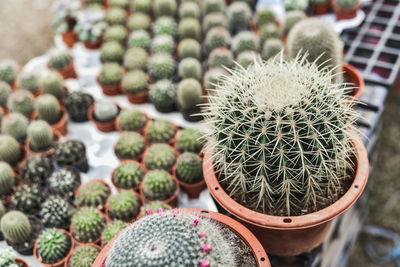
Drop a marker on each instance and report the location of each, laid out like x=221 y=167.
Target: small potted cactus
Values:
x=163 y=43
x=9 y=71
x=124 y=4
x=139 y=38
x=263 y=16
x=112 y=230
x=90 y=28
x=189 y=9
x=190 y=68
x=189 y=28
x=346 y=9
x=217 y=37
x=212 y=6
x=128 y=175
x=135 y=85
x=116 y=16
x=246 y=58
x=160 y=131
x=144 y=6
x=271 y=48
x=104 y=115
x=49 y=109
x=189 y=48
x=130 y=146
x=64 y=182
x=29 y=199
x=245 y=40
x=220 y=57
x=77 y=104
x=131 y=120
x=161 y=66
x=71 y=153
x=92 y=194
x=62 y=62
x=217 y=19
x=16 y=125
x=12 y=152
x=160 y=185
x=21 y=101
x=5 y=91
x=269 y=31
x=163 y=95
x=50 y=82
x=29 y=81
x=8 y=182
x=320 y=7
x=165 y=25
x=83 y=256
x=239 y=16
x=124 y=206
x=189 y=172
x=189 y=140
x=111 y=51
x=87 y=225
x=291 y=19
x=53 y=247
x=164 y=8
x=41 y=139
x=116 y=33
x=36 y=170
x=135 y=58
x=110 y=79
x=138 y=21
x=159 y=156
x=301 y=5
x=8 y=258
x=56 y=212
x=212 y=77
x=189 y=97
x=65 y=19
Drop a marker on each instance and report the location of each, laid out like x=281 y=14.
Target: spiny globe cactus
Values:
x=64 y=182
x=142 y=6
x=36 y=170
x=77 y=104
x=160 y=156
x=132 y=120
x=271 y=48
x=124 y=4
x=220 y=57
x=69 y=153
x=105 y=111
x=40 y=136
x=139 y=21
x=291 y=18
x=264 y=16
x=110 y=74
x=163 y=94
x=7 y=179
x=296 y=5
x=269 y=31
x=190 y=68
x=217 y=19
x=129 y=146
x=92 y=194
x=239 y=15
x=189 y=168
x=296 y=129
x=189 y=28
x=115 y=33
x=346 y=4
x=135 y=82
x=52 y=83
x=16 y=227
x=211 y=6
x=8 y=71
x=163 y=43
x=245 y=40
x=83 y=256
x=16 y=125
x=56 y=212
x=189 y=10
x=29 y=199
x=28 y=81
x=124 y=206
x=5 y=91
x=21 y=101
x=10 y=151
x=135 y=58
x=48 y=108
x=111 y=52
x=128 y=175
x=212 y=77
x=116 y=16
x=161 y=66
x=246 y=58
x=7 y=257
x=139 y=38
x=59 y=58
x=154 y=206
x=189 y=140
x=189 y=48
x=189 y=95
x=165 y=25
x=53 y=246
x=160 y=131
x=87 y=225
x=112 y=230
x=158 y=185
x=164 y=7
x=217 y=37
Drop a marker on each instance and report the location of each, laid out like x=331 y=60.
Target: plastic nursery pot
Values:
x=105 y=127
x=258 y=251
x=172 y=201
x=139 y=98
x=348 y=13
x=48 y=153
x=110 y=90
x=91 y=181
x=193 y=190
x=321 y=9
x=355 y=78
x=289 y=236
x=62 y=261
x=67 y=72
x=69 y=38
x=137 y=188
x=72 y=252
x=109 y=219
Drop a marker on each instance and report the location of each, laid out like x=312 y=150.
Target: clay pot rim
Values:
x=185 y=184
x=358 y=89
x=291 y=222
x=61 y=262
x=168 y=200
x=79 y=246
x=132 y=220
x=125 y=161
x=345 y=10
x=46 y=153
x=92 y=180
x=19 y=260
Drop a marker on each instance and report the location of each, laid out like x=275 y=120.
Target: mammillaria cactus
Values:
x=189 y=140
x=112 y=230
x=318 y=41
x=15 y=124
x=111 y=52
x=189 y=10
x=59 y=58
x=124 y=206
x=245 y=40
x=110 y=74
x=21 y=101
x=56 y=212
x=116 y=16
x=189 y=95
x=217 y=19
x=296 y=5
x=246 y=58
x=211 y=6
x=131 y=120
x=36 y=170
x=139 y=21
x=53 y=246
x=189 y=48
x=7 y=179
x=5 y=91
x=115 y=33
x=160 y=156
x=163 y=43
x=217 y=37
x=129 y=146
x=87 y=225
x=190 y=68
x=7 y=257
x=163 y=94
x=291 y=18
x=220 y=57
x=189 y=28
x=164 y=7
x=29 y=199
x=69 y=153
x=161 y=66
x=271 y=47
x=212 y=77
x=158 y=185
x=139 y=38
x=142 y=6
x=48 y=108
x=268 y=31
x=154 y=206
x=135 y=58
x=160 y=131
x=16 y=227
x=64 y=182
x=83 y=256
x=264 y=16
x=77 y=104
x=40 y=136
x=10 y=151
x=105 y=111
x=239 y=15
x=52 y=83
x=28 y=81
x=346 y=4
x=189 y=168
x=165 y=25
x=8 y=71
x=93 y=194
x=128 y=175
x=135 y=82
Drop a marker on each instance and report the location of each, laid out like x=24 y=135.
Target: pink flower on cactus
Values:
x=160 y=210
x=205 y=263
x=207 y=249
x=149 y=212
x=195 y=222
x=175 y=212
x=201 y=235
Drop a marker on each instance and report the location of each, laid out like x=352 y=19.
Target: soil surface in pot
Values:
x=64 y=256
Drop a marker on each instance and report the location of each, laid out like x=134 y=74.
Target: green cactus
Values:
x=28 y=81
x=52 y=83
x=212 y=20
x=135 y=58
x=160 y=156
x=111 y=52
x=189 y=140
x=217 y=37
x=143 y=6
x=130 y=146
x=189 y=168
x=269 y=31
x=213 y=76
x=132 y=120
x=139 y=21
x=124 y=4
x=291 y=19
x=163 y=43
x=189 y=94
x=139 y=38
x=155 y=206
x=347 y=4
x=264 y=16
x=220 y=57
x=163 y=94
x=189 y=48
x=2 y=209
x=48 y=109
x=158 y=185
x=211 y=6
x=77 y=104
x=93 y=194
x=165 y=25
x=16 y=227
x=21 y=101
x=239 y=15
x=87 y=225
x=110 y=74
x=69 y=153
x=160 y=131
x=164 y=8
x=10 y=151
x=190 y=68
x=8 y=71
x=5 y=91
x=53 y=246
x=116 y=16
x=296 y=5
x=271 y=48
x=161 y=66
x=128 y=175
x=124 y=206
x=83 y=256
x=64 y=182
x=29 y=199
x=15 y=124
x=7 y=180
x=189 y=28
x=318 y=2
x=59 y=58
x=135 y=82
x=40 y=135
x=246 y=58
x=245 y=40
x=7 y=257
x=115 y=33
x=112 y=230
x=56 y=212
x=105 y=111
x=189 y=10
x=36 y=170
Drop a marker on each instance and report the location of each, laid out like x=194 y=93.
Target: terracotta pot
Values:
x=139 y=98
x=136 y=189
x=93 y=46
x=67 y=72
x=348 y=13
x=193 y=190
x=129 y=222
x=289 y=236
x=48 y=153
x=110 y=90
x=93 y=180
x=69 y=38
x=321 y=9
x=258 y=252
x=355 y=78
x=105 y=127
x=61 y=262
x=61 y=125
x=21 y=261
x=172 y=201
x=72 y=252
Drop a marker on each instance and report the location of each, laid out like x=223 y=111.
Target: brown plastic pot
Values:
x=72 y=252
x=91 y=181
x=193 y=190
x=321 y=9
x=355 y=78
x=61 y=262
x=67 y=72
x=291 y=235
x=139 y=98
x=172 y=201
x=21 y=261
x=48 y=153
x=69 y=38
x=110 y=90
x=347 y=13
x=105 y=127
x=259 y=253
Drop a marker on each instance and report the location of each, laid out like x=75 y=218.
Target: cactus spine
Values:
x=40 y=135
x=16 y=227
x=48 y=108
x=53 y=246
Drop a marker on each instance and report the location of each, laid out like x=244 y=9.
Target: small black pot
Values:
x=164 y=108
x=81 y=166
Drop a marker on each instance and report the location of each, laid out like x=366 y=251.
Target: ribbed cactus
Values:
x=77 y=104
x=220 y=57
x=211 y=6
x=28 y=81
x=163 y=43
x=164 y=8
x=189 y=10
x=165 y=25
x=139 y=21
x=246 y=58
x=318 y=41
x=48 y=108
x=189 y=94
x=163 y=94
x=212 y=77
x=239 y=15
x=189 y=48
x=8 y=71
x=116 y=16
x=2 y=209
x=56 y=212
x=69 y=153
x=299 y=142
x=40 y=135
x=87 y=225
x=52 y=83
x=16 y=125
x=269 y=31
x=217 y=37
x=135 y=81
x=160 y=131
x=111 y=52
x=161 y=66
x=5 y=91
x=347 y=4
x=271 y=47
x=124 y=4
x=189 y=140
x=10 y=151
x=64 y=182
x=158 y=185
x=154 y=206
x=142 y=6
x=124 y=206
x=139 y=38
x=135 y=58
x=53 y=246
x=29 y=199
x=196 y=241
x=291 y=18
x=132 y=120
x=7 y=179
x=128 y=175
x=217 y=19
x=105 y=111
x=264 y=16
x=36 y=170
x=59 y=58
x=16 y=227
x=112 y=229
x=110 y=74
x=189 y=28
x=21 y=101
x=189 y=168
x=115 y=33
x=83 y=256
x=190 y=68
x=245 y=40
x=93 y=194
x=160 y=156
x=129 y=146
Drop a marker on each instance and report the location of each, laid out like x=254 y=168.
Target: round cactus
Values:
x=16 y=227
x=110 y=74
x=116 y=16
x=189 y=48
x=164 y=8
x=59 y=58
x=217 y=37
x=160 y=131
x=124 y=206
x=139 y=21
x=77 y=104
x=69 y=153
x=190 y=68
x=64 y=182
x=124 y=4
x=264 y=16
x=163 y=43
x=154 y=206
x=87 y=225
x=129 y=146
x=8 y=71
x=246 y=58
x=347 y=4
x=163 y=94
x=131 y=120
x=189 y=94
x=115 y=33
x=2 y=210
x=189 y=168
x=10 y=151
x=21 y=101
x=135 y=58
x=83 y=256
x=111 y=52
x=48 y=109
x=245 y=40
x=189 y=10
x=214 y=20
x=239 y=15
x=7 y=179
x=271 y=48
x=160 y=156
x=5 y=91
x=105 y=111
x=161 y=66
x=16 y=125
x=40 y=136
x=112 y=230
x=189 y=28
x=142 y=6
x=28 y=81
x=135 y=82
x=53 y=246
x=213 y=76
x=29 y=199
x=158 y=185
x=211 y=6
x=56 y=212
x=165 y=25
x=52 y=83
x=220 y=57
x=128 y=175
x=296 y=5
x=93 y=194
x=189 y=140
x=36 y=170
x=291 y=18
x=139 y=38
x=269 y=31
